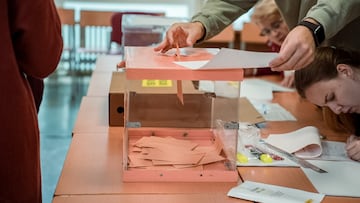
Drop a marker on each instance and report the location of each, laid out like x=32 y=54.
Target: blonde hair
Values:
x=265 y=9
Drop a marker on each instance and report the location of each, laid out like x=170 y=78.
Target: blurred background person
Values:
x=267 y=17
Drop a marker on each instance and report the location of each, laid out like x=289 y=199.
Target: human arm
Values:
x=353 y=147
x=298 y=48
x=36 y=33
x=215 y=16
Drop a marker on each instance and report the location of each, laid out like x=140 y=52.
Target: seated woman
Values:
x=267 y=17
x=332 y=80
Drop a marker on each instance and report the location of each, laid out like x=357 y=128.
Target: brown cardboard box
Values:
x=195 y=113
x=196 y=102
x=116 y=99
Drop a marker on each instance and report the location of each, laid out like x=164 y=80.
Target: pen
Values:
x=177 y=51
x=264 y=109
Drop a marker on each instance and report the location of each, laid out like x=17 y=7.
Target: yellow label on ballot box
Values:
x=157 y=83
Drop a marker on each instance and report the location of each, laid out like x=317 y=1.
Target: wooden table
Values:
x=147 y=198
x=92 y=170
x=306 y=114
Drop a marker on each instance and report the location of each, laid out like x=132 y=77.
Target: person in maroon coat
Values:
x=31 y=46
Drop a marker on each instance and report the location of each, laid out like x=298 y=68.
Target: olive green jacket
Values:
x=340 y=18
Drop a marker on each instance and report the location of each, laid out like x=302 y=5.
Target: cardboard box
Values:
x=116 y=99
x=198 y=103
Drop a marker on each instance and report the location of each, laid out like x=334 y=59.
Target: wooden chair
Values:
x=68 y=34
x=95 y=29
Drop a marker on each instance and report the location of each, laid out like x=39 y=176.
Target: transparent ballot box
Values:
x=174 y=131
x=145 y=30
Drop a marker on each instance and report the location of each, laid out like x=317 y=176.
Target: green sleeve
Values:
x=334 y=15
x=216 y=15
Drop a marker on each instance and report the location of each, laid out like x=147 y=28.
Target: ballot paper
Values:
x=266 y=193
x=341 y=179
x=231 y=59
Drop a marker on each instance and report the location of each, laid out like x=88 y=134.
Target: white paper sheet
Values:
x=266 y=193
x=264 y=83
x=273 y=111
x=227 y=89
x=333 y=151
x=256 y=92
x=304 y=142
x=191 y=64
x=259 y=96
x=232 y=59
x=342 y=177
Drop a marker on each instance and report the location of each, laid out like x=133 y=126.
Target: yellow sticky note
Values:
x=156 y=83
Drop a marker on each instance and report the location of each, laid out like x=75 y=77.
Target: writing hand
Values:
x=353 y=147
x=297 y=50
x=181 y=35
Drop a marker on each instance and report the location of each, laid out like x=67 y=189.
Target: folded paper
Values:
x=304 y=142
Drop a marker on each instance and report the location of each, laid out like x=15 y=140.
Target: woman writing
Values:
x=332 y=80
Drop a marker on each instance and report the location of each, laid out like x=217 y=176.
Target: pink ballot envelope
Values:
x=144 y=63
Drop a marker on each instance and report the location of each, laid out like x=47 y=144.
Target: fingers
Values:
x=353 y=148
x=296 y=52
x=163 y=46
x=182 y=35
x=294 y=59
x=350 y=139
x=168 y=42
x=175 y=36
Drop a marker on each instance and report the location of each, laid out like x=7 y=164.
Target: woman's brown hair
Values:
x=324 y=67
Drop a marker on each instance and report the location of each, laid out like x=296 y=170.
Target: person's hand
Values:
x=353 y=147
x=296 y=52
x=181 y=35
x=288 y=80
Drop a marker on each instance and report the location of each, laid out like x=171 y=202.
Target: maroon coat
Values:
x=30 y=44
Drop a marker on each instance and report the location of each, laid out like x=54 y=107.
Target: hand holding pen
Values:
x=353 y=147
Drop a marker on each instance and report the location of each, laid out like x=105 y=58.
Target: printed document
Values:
x=266 y=193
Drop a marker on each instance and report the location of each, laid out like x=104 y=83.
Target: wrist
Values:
x=202 y=30
x=316 y=29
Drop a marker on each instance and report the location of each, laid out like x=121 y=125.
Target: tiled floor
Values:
x=57 y=115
